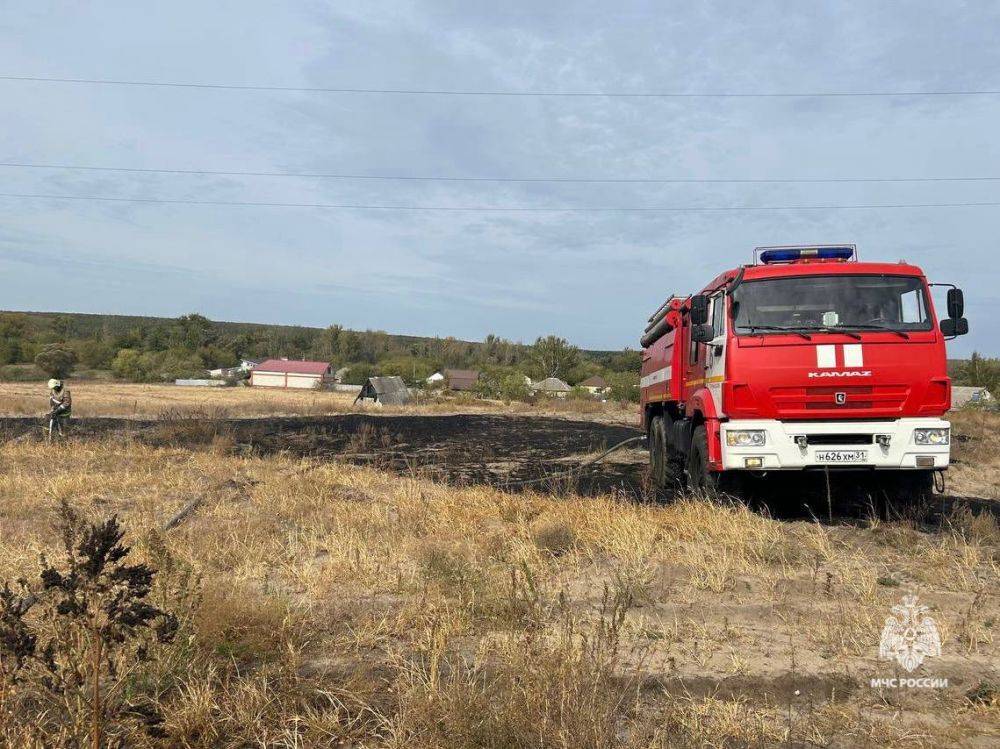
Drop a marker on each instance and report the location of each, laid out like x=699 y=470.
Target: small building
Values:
x=461 y=379
x=199 y=383
x=969 y=396
x=290 y=373
x=226 y=373
x=595 y=385
x=551 y=386
x=435 y=378
x=249 y=364
x=386 y=391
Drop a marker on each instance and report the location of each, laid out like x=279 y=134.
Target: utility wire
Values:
x=498 y=209
x=440 y=178
x=460 y=92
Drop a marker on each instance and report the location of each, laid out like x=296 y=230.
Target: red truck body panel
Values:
x=876 y=375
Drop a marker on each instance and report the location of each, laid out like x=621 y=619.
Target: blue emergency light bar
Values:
x=791 y=254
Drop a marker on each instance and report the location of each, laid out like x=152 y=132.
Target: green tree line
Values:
x=161 y=350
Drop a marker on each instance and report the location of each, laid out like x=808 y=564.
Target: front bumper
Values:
x=781 y=451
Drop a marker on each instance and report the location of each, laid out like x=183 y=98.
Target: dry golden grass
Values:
x=343 y=604
x=132 y=401
x=976 y=471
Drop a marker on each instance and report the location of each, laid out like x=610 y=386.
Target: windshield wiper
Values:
x=778 y=328
x=831 y=329
x=873 y=326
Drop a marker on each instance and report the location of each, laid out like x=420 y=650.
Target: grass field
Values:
x=127 y=400
x=324 y=604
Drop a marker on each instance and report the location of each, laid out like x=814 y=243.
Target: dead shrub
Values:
x=241 y=624
x=74 y=646
x=555 y=537
x=186 y=430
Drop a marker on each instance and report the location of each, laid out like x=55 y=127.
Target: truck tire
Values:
x=666 y=466
x=699 y=478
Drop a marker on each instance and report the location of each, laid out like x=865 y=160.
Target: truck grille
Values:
x=840 y=439
x=889 y=398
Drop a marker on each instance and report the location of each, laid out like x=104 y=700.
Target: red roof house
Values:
x=291 y=373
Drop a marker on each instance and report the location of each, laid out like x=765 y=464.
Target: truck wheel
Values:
x=699 y=478
x=666 y=466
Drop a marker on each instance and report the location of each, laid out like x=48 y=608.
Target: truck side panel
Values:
x=662 y=368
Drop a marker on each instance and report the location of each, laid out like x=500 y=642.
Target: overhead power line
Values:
x=445 y=178
x=495 y=92
x=497 y=209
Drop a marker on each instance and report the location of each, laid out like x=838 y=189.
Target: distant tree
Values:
x=981 y=372
x=127 y=365
x=192 y=332
x=326 y=347
x=10 y=351
x=357 y=373
x=623 y=386
x=95 y=353
x=514 y=388
x=62 y=327
x=502 y=383
x=56 y=360
x=453 y=352
x=499 y=351
x=157 y=366
x=411 y=368
x=553 y=356
x=350 y=347
x=625 y=361
x=583 y=369
x=12 y=338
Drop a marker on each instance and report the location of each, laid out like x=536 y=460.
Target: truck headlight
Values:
x=932 y=436
x=746 y=437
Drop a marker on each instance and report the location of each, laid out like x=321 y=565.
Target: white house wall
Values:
x=282 y=380
x=303 y=381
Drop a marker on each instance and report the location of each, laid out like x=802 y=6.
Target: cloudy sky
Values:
x=592 y=277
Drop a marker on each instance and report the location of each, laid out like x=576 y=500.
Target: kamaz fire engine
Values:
x=806 y=359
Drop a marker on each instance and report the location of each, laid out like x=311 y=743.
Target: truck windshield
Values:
x=819 y=303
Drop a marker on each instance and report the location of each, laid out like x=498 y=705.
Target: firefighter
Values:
x=61 y=404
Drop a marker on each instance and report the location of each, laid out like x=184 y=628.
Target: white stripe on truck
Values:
x=853 y=356
x=826 y=357
x=660 y=375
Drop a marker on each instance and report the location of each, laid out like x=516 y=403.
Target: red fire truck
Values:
x=805 y=359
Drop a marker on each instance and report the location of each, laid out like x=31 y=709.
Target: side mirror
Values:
x=956 y=303
x=699 y=309
x=954 y=326
x=702 y=333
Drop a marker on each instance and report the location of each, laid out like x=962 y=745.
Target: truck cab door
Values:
x=693 y=366
x=715 y=352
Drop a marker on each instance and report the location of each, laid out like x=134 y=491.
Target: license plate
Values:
x=841 y=456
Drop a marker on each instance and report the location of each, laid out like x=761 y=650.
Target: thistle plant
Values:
x=73 y=642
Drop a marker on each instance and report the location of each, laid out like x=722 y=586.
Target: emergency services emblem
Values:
x=909 y=636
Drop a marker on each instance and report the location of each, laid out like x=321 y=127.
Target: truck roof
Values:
x=814 y=268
